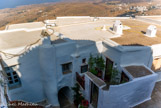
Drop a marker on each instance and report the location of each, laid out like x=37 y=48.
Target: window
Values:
x=108 y=69
x=67 y=68
x=84 y=60
x=84 y=68
x=13 y=78
x=7 y=68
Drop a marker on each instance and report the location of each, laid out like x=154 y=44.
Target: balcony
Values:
x=80 y=80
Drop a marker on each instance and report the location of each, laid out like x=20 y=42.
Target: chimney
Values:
x=104 y=28
x=151 y=31
x=118 y=27
x=46 y=37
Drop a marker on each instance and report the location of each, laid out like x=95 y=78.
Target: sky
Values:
x=14 y=3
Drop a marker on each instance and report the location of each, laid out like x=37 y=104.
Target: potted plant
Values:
x=77 y=95
x=96 y=65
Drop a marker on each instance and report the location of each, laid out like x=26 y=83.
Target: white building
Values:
x=41 y=64
x=139 y=8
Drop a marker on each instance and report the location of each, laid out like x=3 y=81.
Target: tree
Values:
x=100 y=63
x=96 y=64
x=114 y=76
x=91 y=64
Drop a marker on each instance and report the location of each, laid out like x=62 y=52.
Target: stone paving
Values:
x=155 y=101
x=64 y=102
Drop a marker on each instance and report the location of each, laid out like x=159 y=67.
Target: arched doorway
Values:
x=65 y=98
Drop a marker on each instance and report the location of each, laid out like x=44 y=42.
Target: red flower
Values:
x=85 y=103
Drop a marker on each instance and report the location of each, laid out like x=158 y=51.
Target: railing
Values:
x=80 y=80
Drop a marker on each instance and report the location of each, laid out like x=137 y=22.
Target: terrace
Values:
x=135 y=35
x=91 y=30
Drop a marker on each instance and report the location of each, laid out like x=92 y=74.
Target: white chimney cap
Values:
x=117 y=22
x=118 y=27
x=151 y=31
x=152 y=27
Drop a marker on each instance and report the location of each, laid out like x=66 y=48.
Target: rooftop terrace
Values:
x=31 y=25
x=135 y=35
x=81 y=29
x=84 y=29
x=18 y=39
x=138 y=71
x=157 y=18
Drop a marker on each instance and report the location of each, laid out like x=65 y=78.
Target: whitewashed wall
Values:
x=48 y=71
x=29 y=67
x=129 y=94
x=40 y=69
x=3 y=102
x=127 y=55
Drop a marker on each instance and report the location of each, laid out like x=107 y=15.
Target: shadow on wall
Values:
x=28 y=71
x=38 y=68
x=39 y=78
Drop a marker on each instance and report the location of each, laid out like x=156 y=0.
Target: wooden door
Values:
x=108 y=70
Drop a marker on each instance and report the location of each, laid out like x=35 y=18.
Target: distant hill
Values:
x=132 y=1
x=14 y=3
x=123 y=1
x=103 y=1
x=41 y=12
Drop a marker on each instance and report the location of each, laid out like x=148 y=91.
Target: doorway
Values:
x=94 y=95
x=64 y=96
x=108 y=70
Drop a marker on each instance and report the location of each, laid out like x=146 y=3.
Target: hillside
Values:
x=121 y=1
x=132 y=1
x=41 y=12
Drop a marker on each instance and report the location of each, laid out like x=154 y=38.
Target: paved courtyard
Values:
x=64 y=102
x=155 y=101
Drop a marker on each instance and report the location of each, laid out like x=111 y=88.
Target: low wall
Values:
x=65 y=17
x=129 y=94
x=159 y=76
x=148 y=20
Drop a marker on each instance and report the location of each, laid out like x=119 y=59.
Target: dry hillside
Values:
x=41 y=12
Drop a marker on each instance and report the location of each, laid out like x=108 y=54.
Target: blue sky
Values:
x=14 y=3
